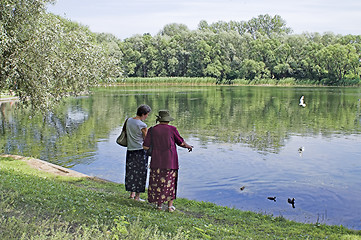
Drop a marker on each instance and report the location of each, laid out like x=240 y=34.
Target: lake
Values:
x=253 y=138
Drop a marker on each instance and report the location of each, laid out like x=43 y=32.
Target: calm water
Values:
x=243 y=137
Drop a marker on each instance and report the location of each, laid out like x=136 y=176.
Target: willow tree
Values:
x=44 y=57
x=338 y=60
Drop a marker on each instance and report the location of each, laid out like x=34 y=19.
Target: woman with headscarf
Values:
x=164 y=165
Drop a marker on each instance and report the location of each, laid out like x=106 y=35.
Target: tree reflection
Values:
x=262 y=118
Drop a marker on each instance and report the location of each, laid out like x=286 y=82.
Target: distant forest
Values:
x=44 y=57
x=261 y=48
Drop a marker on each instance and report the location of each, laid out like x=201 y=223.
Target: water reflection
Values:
x=258 y=138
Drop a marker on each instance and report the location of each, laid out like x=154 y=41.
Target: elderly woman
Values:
x=164 y=166
x=137 y=159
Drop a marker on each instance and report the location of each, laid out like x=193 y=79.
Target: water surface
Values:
x=243 y=137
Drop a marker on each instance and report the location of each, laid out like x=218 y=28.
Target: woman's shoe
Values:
x=171 y=209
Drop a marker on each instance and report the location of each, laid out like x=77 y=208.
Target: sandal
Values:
x=139 y=200
x=171 y=209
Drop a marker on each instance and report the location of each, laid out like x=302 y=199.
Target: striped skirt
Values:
x=162 y=185
x=136 y=171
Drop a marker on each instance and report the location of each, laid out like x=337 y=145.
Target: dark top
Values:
x=164 y=139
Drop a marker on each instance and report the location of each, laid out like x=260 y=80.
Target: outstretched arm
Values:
x=186 y=145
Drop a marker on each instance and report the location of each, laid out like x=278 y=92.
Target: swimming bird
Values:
x=291 y=201
x=272 y=198
x=242 y=188
x=300 y=150
x=302 y=101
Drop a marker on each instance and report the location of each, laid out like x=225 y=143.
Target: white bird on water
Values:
x=300 y=150
x=302 y=103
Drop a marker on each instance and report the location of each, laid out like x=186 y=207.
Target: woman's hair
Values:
x=143 y=110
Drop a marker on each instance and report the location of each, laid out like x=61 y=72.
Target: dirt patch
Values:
x=47 y=167
x=9 y=99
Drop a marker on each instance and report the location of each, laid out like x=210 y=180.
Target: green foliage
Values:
x=44 y=57
x=338 y=60
x=263 y=24
x=252 y=70
x=261 y=48
x=168 y=81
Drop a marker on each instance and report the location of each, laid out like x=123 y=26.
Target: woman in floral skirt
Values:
x=164 y=166
x=137 y=159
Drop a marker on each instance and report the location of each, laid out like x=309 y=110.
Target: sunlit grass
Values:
x=6 y=95
x=169 y=80
x=214 y=81
x=37 y=205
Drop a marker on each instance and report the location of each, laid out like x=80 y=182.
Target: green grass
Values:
x=213 y=81
x=38 y=205
x=6 y=94
x=168 y=80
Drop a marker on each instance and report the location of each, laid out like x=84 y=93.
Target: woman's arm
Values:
x=144 y=132
x=186 y=145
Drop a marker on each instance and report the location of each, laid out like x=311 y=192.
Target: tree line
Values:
x=44 y=57
x=261 y=48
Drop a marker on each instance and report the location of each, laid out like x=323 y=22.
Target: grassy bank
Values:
x=6 y=96
x=39 y=205
x=236 y=82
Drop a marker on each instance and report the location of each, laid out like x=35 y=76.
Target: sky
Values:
x=125 y=18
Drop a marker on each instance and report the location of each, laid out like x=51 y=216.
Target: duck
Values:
x=300 y=150
x=302 y=102
x=271 y=198
x=242 y=188
x=292 y=202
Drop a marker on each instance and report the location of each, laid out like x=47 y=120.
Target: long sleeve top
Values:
x=164 y=139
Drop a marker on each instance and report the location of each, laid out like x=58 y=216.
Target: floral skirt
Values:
x=136 y=171
x=162 y=185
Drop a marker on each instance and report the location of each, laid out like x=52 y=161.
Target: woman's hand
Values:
x=186 y=145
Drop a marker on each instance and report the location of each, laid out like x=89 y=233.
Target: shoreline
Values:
x=9 y=99
x=45 y=166
x=84 y=200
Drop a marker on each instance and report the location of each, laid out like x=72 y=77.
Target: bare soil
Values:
x=48 y=167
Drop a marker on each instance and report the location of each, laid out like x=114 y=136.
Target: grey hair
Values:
x=143 y=110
